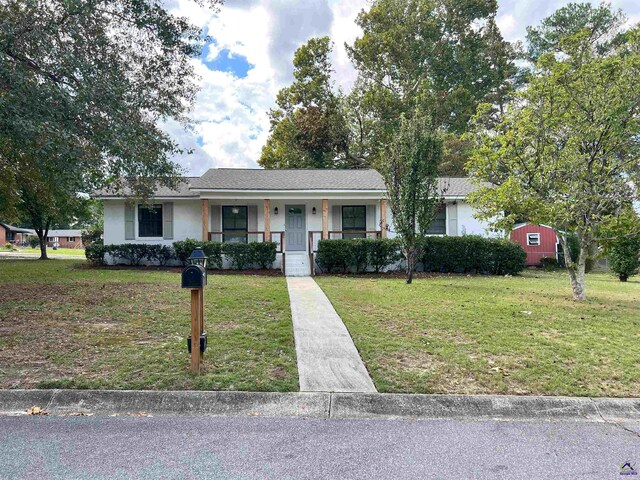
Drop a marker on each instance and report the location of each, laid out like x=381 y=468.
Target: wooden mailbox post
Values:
x=194 y=277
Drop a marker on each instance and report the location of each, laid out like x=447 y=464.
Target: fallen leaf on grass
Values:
x=80 y=414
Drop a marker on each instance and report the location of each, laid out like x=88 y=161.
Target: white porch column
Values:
x=325 y=218
x=383 y=217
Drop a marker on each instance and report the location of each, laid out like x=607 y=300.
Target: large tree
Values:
x=601 y=26
x=566 y=152
x=308 y=128
x=411 y=178
x=83 y=87
x=446 y=56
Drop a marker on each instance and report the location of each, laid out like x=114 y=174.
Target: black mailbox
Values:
x=194 y=276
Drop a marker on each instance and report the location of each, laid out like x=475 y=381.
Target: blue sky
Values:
x=250 y=57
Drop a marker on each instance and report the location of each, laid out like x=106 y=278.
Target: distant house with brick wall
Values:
x=14 y=235
x=64 y=238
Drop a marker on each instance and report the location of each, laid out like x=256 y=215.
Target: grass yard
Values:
x=66 y=325
x=506 y=335
x=51 y=251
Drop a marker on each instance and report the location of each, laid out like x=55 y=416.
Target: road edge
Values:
x=319 y=405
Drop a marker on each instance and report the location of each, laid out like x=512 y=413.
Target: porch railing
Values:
x=315 y=236
x=251 y=237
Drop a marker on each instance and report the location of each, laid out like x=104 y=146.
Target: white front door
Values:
x=295 y=228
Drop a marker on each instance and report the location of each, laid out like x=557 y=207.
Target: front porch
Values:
x=295 y=224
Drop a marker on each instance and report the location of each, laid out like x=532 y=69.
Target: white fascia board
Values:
x=150 y=198
x=454 y=197
x=293 y=194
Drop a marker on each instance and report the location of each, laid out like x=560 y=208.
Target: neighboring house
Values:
x=64 y=238
x=537 y=240
x=295 y=208
x=15 y=235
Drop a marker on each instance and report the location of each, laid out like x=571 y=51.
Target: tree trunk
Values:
x=576 y=270
x=410 y=256
x=42 y=238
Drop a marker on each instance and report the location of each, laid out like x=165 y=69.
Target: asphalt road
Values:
x=251 y=448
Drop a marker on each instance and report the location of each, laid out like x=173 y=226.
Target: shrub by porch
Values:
x=240 y=255
x=466 y=254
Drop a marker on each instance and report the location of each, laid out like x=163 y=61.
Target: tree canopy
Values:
x=599 y=25
x=566 y=152
x=83 y=88
x=411 y=179
x=308 y=127
x=443 y=57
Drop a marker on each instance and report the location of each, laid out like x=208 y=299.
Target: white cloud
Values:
x=507 y=25
x=231 y=113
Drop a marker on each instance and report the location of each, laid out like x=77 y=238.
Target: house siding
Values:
x=187 y=218
x=186 y=223
x=548 y=242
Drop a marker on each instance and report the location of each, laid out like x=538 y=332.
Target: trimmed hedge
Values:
x=95 y=253
x=213 y=250
x=358 y=254
x=472 y=254
x=263 y=254
x=241 y=255
x=466 y=254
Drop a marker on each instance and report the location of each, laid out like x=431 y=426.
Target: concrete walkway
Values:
x=328 y=361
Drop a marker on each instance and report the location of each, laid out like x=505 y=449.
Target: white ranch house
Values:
x=294 y=208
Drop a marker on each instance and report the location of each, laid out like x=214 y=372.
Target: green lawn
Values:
x=508 y=335
x=51 y=251
x=65 y=324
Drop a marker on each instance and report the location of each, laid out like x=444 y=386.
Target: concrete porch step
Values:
x=297 y=264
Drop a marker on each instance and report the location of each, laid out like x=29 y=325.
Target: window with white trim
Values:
x=150 y=221
x=235 y=219
x=439 y=224
x=354 y=218
x=533 y=239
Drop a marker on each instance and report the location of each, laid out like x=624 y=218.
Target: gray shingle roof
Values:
x=456 y=186
x=310 y=179
x=11 y=228
x=181 y=191
x=225 y=179
x=64 y=233
x=288 y=179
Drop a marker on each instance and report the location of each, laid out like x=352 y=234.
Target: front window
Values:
x=354 y=218
x=71 y=239
x=234 y=219
x=439 y=224
x=150 y=220
x=533 y=239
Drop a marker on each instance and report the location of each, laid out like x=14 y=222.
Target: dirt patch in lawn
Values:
x=127 y=330
x=55 y=339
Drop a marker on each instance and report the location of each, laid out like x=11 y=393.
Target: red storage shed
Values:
x=537 y=240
